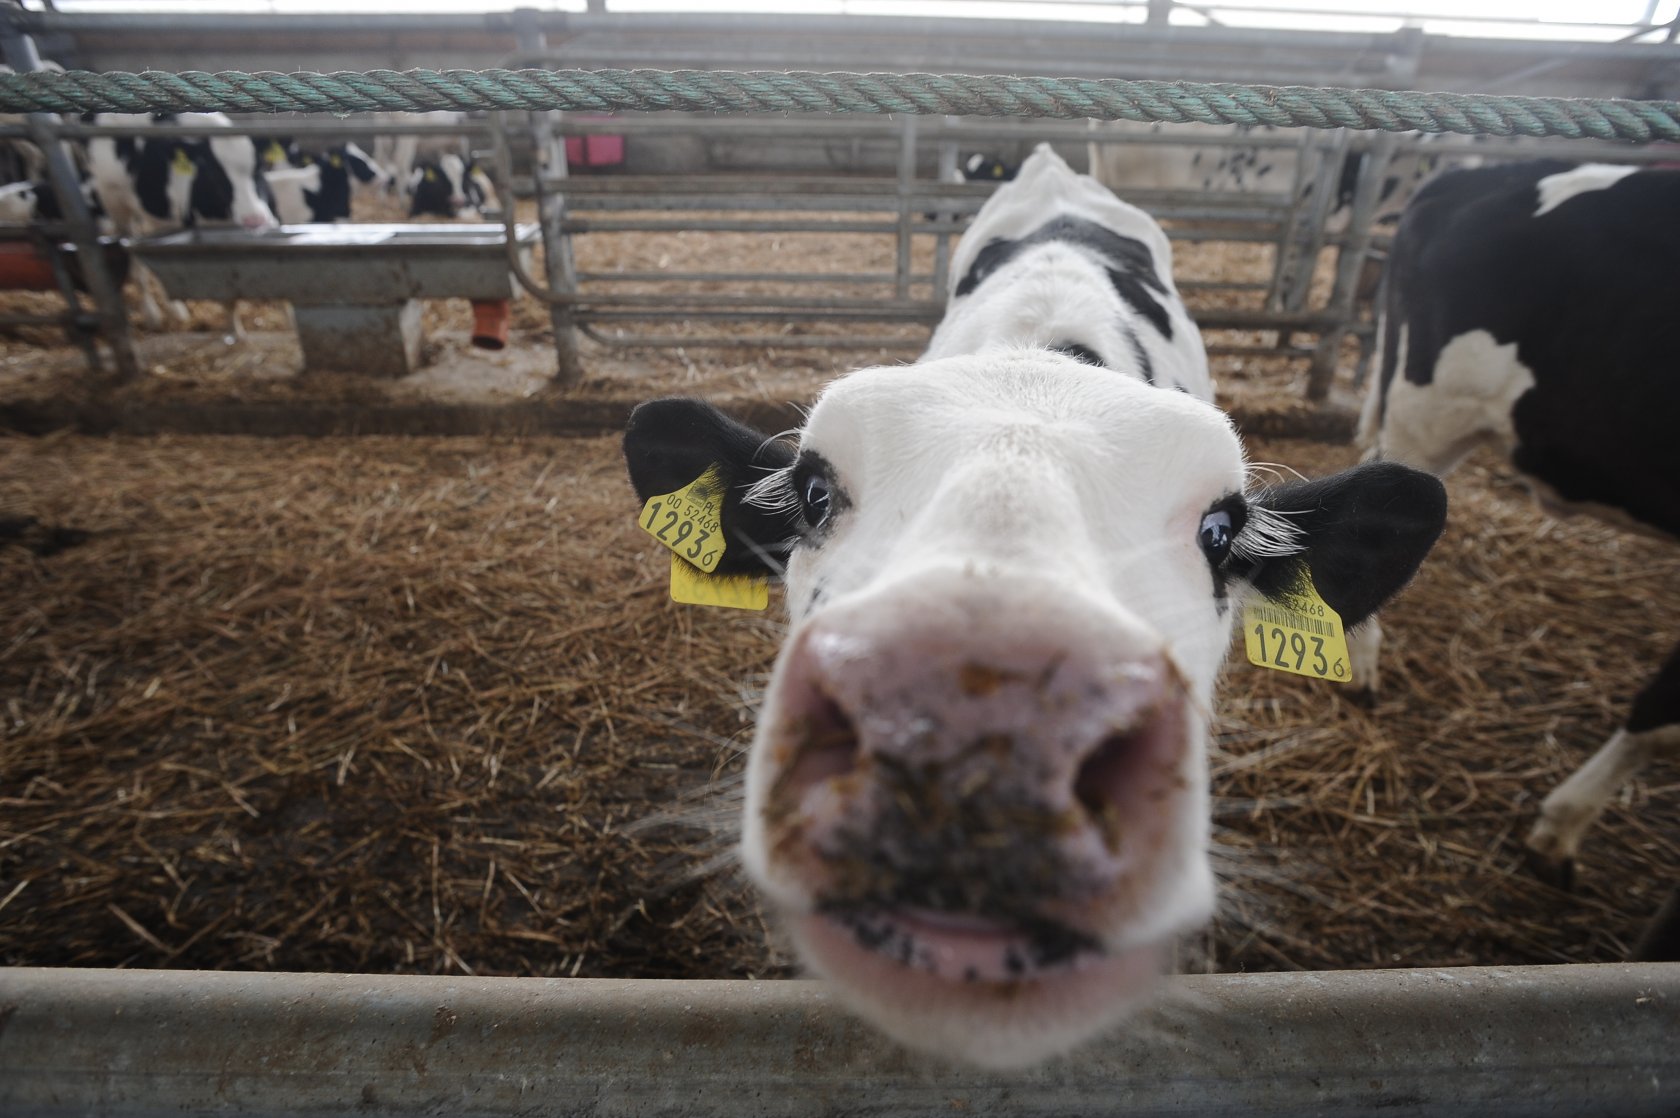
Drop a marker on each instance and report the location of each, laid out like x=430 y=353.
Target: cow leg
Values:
x=235 y=327
x=1573 y=806
x=1364 y=650
x=1660 y=942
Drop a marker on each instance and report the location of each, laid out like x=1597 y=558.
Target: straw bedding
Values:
x=408 y=705
x=421 y=705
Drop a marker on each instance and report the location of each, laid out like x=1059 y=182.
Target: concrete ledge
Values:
x=1565 y=1040
x=535 y=417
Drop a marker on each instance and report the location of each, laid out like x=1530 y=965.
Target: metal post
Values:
x=1350 y=263
x=559 y=268
x=906 y=181
x=947 y=172
x=112 y=315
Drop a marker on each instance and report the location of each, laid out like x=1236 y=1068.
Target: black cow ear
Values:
x=671 y=442
x=1361 y=534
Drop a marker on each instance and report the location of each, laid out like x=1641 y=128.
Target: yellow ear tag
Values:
x=431 y=175
x=1301 y=635
x=696 y=588
x=275 y=155
x=690 y=520
x=182 y=163
x=335 y=161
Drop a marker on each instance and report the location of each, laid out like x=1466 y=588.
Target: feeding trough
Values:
x=355 y=289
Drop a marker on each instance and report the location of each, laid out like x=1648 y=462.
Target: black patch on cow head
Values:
x=671 y=442
x=1140 y=353
x=1362 y=534
x=1129 y=263
x=1081 y=353
x=212 y=189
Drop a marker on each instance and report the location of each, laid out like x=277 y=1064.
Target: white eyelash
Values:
x=1268 y=534
x=773 y=493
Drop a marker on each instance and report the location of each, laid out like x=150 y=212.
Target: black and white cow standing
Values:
x=978 y=792
x=1535 y=305
x=316 y=187
x=157 y=184
x=446 y=185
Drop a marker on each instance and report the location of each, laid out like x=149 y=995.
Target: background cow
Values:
x=399 y=155
x=978 y=791
x=157 y=184
x=445 y=185
x=1533 y=305
x=315 y=186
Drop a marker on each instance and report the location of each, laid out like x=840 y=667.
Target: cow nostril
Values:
x=1102 y=775
x=1124 y=775
x=827 y=748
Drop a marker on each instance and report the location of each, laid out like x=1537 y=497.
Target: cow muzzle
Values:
x=973 y=790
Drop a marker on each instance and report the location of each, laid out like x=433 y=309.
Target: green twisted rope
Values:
x=727 y=91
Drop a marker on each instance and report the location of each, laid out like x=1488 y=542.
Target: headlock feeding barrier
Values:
x=1586 y=1040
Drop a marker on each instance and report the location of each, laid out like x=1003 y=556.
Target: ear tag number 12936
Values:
x=689 y=521
x=1301 y=635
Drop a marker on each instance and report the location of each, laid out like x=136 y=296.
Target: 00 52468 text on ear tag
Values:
x=1301 y=635
x=689 y=521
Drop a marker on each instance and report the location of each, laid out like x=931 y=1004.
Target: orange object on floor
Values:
x=490 y=323
x=22 y=268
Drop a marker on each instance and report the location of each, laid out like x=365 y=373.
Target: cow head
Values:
x=444 y=186
x=228 y=184
x=978 y=791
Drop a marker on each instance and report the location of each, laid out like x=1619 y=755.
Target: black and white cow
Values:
x=24 y=202
x=978 y=792
x=1534 y=305
x=445 y=185
x=152 y=185
x=400 y=154
x=315 y=187
x=983 y=167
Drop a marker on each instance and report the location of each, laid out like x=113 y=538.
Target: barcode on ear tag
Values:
x=697 y=588
x=1301 y=635
x=689 y=521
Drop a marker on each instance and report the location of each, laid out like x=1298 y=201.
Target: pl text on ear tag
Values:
x=1299 y=634
x=696 y=588
x=689 y=521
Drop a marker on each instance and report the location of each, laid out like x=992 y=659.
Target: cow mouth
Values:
x=963 y=947
x=990 y=993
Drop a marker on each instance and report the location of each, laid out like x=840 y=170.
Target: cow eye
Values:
x=1215 y=536
x=814 y=496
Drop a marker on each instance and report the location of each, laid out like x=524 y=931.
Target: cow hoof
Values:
x=1558 y=872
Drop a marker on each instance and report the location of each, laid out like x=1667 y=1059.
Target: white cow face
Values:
x=977 y=794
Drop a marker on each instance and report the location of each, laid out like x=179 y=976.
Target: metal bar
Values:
x=752 y=341
x=926 y=313
x=21 y=56
x=1348 y=266
x=881 y=278
x=559 y=266
x=679 y=303
x=858 y=278
x=295 y=128
x=945 y=170
x=906 y=182
x=1493 y=1041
